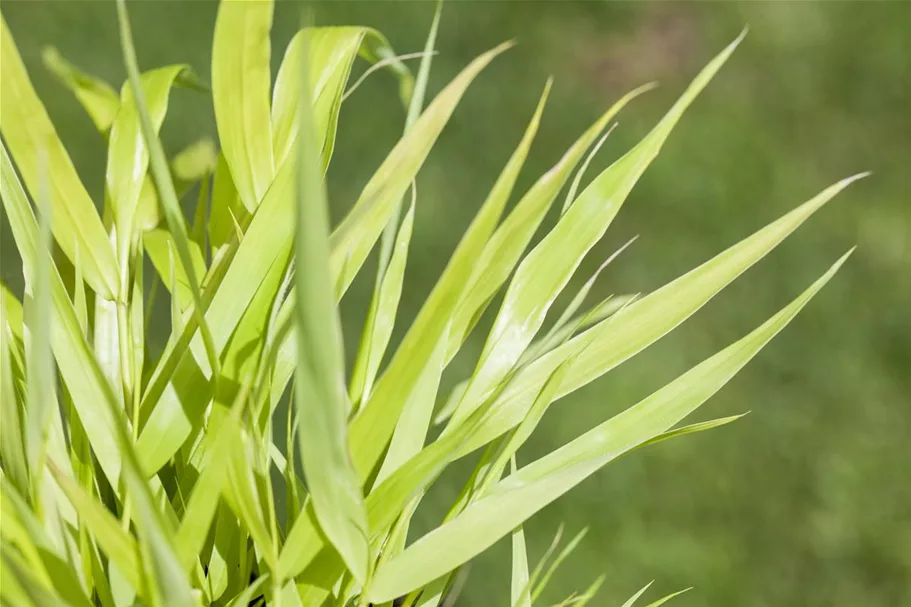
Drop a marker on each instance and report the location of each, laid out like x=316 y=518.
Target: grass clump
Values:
x=128 y=480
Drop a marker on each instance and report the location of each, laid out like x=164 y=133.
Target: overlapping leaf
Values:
x=39 y=154
x=522 y=494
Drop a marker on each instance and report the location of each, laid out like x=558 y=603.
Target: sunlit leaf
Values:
x=32 y=140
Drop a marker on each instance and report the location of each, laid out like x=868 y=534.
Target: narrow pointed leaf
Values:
x=643 y=322
x=128 y=155
x=41 y=400
x=353 y=239
x=331 y=52
x=321 y=403
x=519 y=581
x=99 y=99
x=632 y=600
x=75 y=360
x=522 y=494
x=12 y=439
x=381 y=315
x=509 y=242
x=411 y=429
x=117 y=544
x=375 y=423
x=163 y=182
x=543 y=274
x=664 y=600
x=27 y=130
x=159 y=245
x=240 y=91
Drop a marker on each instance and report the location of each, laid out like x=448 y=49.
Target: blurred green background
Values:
x=806 y=501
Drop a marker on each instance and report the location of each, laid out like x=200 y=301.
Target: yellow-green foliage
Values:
x=128 y=480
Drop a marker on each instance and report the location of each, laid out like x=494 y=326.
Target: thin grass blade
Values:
x=97 y=97
x=241 y=82
x=522 y=494
x=27 y=129
x=75 y=360
x=632 y=600
x=644 y=321
x=375 y=423
x=544 y=273
x=353 y=239
x=163 y=182
x=519 y=581
x=506 y=246
x=12 y=439
x=322 y=407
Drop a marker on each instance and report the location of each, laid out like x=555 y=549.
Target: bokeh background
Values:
x=805 y=502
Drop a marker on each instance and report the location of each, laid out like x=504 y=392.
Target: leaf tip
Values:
x=843 y=259
x=849 y=180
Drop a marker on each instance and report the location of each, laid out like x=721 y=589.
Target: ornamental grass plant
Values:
x=245 y=465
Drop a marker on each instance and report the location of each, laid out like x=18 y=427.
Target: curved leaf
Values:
x=240 y=92
x=524 y=493
x=29 y=133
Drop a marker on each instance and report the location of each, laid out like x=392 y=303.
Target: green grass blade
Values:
x=176 y=320
x=353 y=239
x=242 y=489
x=321 y=402
x=22 y=529
x=632 y=600
x=382 y=306
x=225 y=208
x=577 y=180
x=12 y=440
x=194 y=163
x=246 y=596
x=241 y=82
x=80 y=302
x=385 y=502
x=643 y=322
x=128 y=157
x=136 y=321
x=331 y=52
x=611 y=305
x=506 y=246
x=376 y=421
x=376 y=48
x=381 y=316
x=163 y=182
x=97 y=97
x=544 y=273
x=41 y=400
x=75 y=360
x=664 y=600
x=411 y=429
x=650 y=417
x=523 y=431
x=545 y=558
x=522 y=494
x=589 y=593
x=203 y=502
x=25 y=584
x=117 y=544
x=693 y=428
x=415 y=107
x=552 y=568
x=159 y=245
x=548 y=341
x=27 y=129
x=519 y=580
